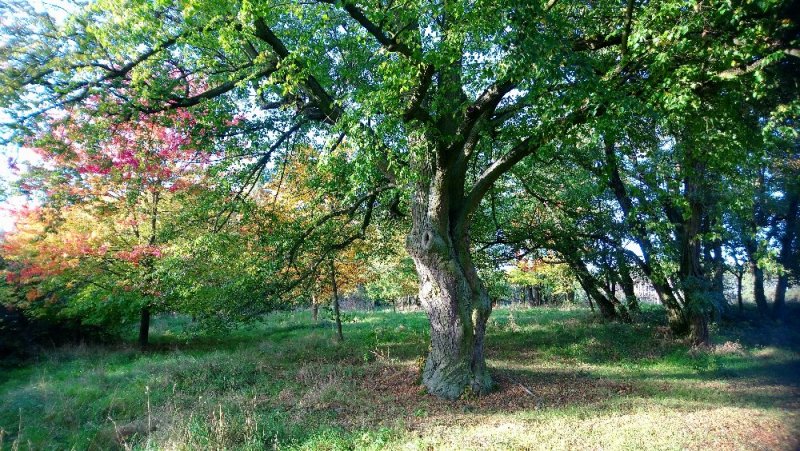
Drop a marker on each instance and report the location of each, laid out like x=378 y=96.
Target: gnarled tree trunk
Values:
x=696 y=288
x=458 y=306
x=451 y=293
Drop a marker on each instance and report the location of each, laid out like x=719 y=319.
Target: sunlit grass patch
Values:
x=629 y=426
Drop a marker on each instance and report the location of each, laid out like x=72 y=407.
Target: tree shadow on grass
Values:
x=536 y=390
x=564 y=362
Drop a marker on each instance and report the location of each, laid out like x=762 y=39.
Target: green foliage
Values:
x=580 y=130
x=391 y=280
x=556 y=278
x=496 y=283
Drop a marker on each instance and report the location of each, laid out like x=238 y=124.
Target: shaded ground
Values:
x=564 y=380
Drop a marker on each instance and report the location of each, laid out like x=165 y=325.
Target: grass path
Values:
x=564 y=380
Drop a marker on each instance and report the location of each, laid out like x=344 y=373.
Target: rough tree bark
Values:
x=687 y=230
x=451 y=293
x=458 y=307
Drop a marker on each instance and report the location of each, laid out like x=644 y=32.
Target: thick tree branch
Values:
x=550 y=5
x=390 y=43
x=486 y=103
x=524 y=148
x=734 y=72
x=183 y=102
x=595 y=43
x=323 y=100
x=415 y=110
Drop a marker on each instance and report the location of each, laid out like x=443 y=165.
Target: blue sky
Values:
x=8 y=177
x=57 y=9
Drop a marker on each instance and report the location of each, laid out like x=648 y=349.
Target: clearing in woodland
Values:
x=563 y=379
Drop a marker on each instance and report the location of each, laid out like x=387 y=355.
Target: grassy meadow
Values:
x=563 y=378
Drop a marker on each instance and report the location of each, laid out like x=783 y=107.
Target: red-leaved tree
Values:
x=107 y=191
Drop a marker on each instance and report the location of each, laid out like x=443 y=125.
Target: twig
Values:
x=526 y=389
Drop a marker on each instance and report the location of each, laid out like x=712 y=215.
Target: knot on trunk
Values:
x=427 y=240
